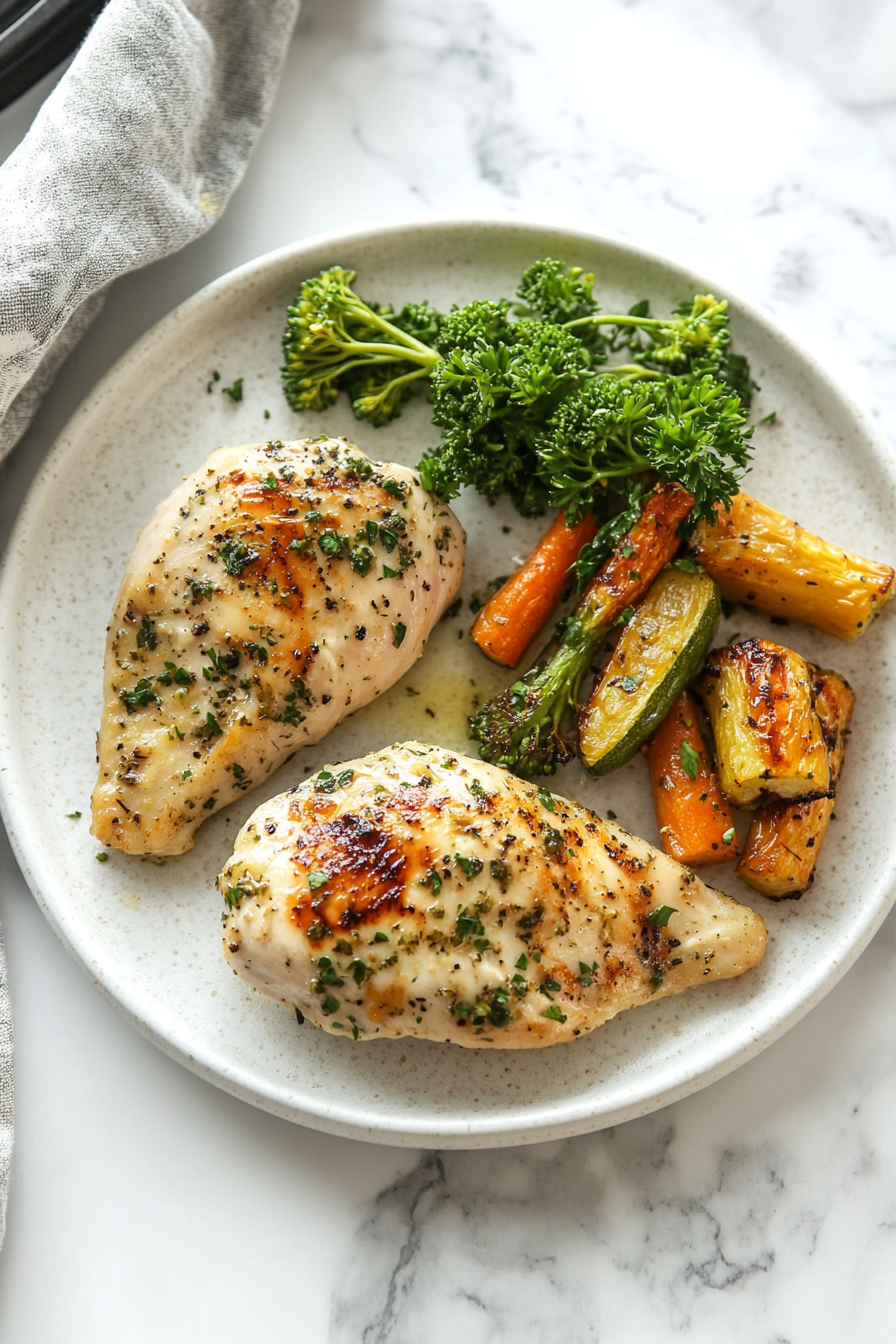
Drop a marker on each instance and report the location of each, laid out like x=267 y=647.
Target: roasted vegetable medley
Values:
x=634 y=427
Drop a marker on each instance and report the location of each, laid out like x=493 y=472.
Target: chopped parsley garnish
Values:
x=174 y=674
x=316 y=878
x=468 y=926
x=211 y=728
x=728 y=836
x=660 y=917
x=380 y=937
x=329 y=1006
x=236 y=555
x=73 y=815
x=361 y=558
x=586 y=974
x=400 y=632
x=327 y=782
x=146 y=635
x=690 y=761
x=317 y=930
x=361 y=467
x=233 y=895
x=546 y=800
x=555 y=1013
x=394 y=489
x=624 y=616
x=470 y=867
x=141 y=696
x=500 y=872
x=332 y=542
x=102 y=857
x=235 y=391
x=270 y=482
x=200 y=588
x=522 y=962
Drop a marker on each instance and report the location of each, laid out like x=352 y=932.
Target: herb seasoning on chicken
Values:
x=415 y=892
x=281 y=587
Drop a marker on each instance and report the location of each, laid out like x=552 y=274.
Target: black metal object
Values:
x=35 y=35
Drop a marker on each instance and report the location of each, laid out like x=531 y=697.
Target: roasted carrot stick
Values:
x=694 y=817
x=509 y=621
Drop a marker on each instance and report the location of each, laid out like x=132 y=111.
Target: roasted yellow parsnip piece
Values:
x=784 y=839
x=760 y=701
x=758 y=555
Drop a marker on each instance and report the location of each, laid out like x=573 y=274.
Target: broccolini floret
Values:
x=531 y=407
x=334 y=341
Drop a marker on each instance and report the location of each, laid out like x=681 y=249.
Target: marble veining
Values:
x=731 y=1214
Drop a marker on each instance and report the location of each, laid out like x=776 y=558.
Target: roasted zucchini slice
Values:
x=760 y=556
x=658 y=653
x=760 y=699
x=784 y=839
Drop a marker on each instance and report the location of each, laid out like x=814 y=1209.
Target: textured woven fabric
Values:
x=133 y=156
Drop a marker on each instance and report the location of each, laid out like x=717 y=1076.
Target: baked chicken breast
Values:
x=279 y=588
x=419 y=893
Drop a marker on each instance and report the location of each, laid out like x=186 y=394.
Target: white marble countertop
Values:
x=146 y=1205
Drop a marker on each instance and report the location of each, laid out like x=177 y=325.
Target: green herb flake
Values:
x=400 y=632
x=380 y=937
x=102 y=857
x=660 y=917
x=522 y=962
x=688 y=565
x=555 y=1013
x=73 y=815
x=624 y=616
x=327 y=782
x=546 y=799
x=235 y=391
x=329 y=1006
x=611 y=816
x=236 y=555
x=728 y=837
x=470 y=867
x=690 y=761
x=316 y=878
x=141 y=696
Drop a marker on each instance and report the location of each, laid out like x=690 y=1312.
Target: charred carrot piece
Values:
x=694 y=817
x=512 y=618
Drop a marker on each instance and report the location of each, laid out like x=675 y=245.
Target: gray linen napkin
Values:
x=134 y=155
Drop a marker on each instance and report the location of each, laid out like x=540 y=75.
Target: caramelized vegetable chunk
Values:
x=758 y=555
x=785 y=838
x=760 y=701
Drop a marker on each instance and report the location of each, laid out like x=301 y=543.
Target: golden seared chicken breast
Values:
x=279 y=588
x=418 y=893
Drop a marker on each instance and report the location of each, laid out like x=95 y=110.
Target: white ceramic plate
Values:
x=149 y=934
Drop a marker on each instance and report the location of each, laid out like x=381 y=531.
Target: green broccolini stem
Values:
x=523 y=728
x=365 y=314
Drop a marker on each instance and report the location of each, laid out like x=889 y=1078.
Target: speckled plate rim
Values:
x=559 y=1120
